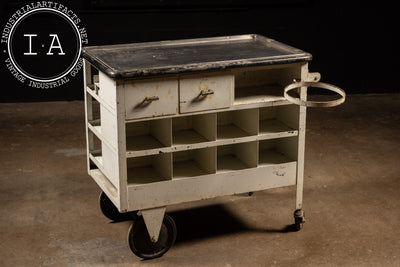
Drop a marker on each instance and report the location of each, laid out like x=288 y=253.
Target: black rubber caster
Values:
x=299 y=219
x=110 y=211
x=143 y=247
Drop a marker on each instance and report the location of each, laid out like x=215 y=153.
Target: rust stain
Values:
x=133 y=84
x=279 y=173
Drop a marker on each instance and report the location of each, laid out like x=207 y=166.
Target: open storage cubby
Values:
x=277 y=151
x=94 y=122
x=149 y=169
x=278 y=120
x=150 y=134
x=193 y=129
x=194 y=162
x=93 y=82
x=237 y=123
x=95 y=110
x=237 y=156
x=263 y=85
x=95 y=146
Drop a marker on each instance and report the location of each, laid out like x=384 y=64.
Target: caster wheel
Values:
x=110 y=211
x=143 y=247
x=299 y=219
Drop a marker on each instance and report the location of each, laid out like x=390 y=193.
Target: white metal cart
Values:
x=178 y=121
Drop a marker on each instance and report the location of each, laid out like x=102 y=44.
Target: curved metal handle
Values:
x=208 y=92
x=151 y=98
x=321 y=85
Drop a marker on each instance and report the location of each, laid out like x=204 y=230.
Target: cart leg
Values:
x=152 y=234
x=299 y=213
x=299 y=219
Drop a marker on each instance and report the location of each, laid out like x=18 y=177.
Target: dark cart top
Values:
x=190 y=55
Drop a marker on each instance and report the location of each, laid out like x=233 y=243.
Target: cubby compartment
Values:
x=263 y=85
x=236 y=124
x=277 y=121
x=103 y=157
x=277 y=151
x=237 y=156
x=93 y=80
x=149 y=134
x=190 y=163
x=149 y=169
x=193 y=129
x=95 y=145
x=94 y=114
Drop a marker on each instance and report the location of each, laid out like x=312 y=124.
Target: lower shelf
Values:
x=176 y=191
x=104 y=183
x=212 y=160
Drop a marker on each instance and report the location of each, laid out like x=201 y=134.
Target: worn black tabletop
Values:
x=190 y=55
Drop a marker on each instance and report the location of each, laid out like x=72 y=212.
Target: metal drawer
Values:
x=205 y=93
x=151 y=98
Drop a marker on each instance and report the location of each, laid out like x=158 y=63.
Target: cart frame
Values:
x=167 y=139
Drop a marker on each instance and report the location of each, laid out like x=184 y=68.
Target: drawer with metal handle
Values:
x=145 y=99
x=205 y=93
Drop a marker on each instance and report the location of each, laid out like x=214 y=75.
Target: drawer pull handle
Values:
x=208 y=92
x=151 y=98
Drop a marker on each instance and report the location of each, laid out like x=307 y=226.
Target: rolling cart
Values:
x=177 y=121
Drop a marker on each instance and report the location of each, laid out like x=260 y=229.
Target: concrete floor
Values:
x=50 y=214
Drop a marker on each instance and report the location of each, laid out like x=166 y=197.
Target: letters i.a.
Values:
x=52 y=46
